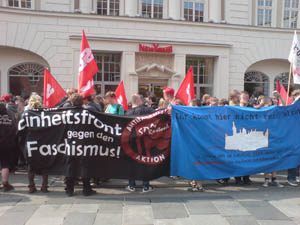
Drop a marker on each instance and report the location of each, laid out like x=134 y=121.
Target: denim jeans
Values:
x=293 y=173
x=132 y=183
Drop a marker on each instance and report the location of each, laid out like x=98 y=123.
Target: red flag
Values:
x=186 y=92
x=87 y=68
x=283 y=94
x=121 y=96
x=53 y=92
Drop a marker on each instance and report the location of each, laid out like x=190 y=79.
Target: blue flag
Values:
x=220 y=142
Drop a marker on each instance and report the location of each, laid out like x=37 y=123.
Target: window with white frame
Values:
x=264 y=13
x=290 y=14
x=193 y=11
x=152 y=8
x=26 y=4
x=108 y=76
x=108 y=7
x=203 y=74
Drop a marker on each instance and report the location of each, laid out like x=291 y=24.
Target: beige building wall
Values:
x=56 y=38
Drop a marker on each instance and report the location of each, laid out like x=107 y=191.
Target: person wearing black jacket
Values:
x=139 y=109
x=8 y=145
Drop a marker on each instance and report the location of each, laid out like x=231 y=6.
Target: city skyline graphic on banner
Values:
x=246 y=140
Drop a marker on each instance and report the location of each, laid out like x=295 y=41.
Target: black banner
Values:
x=77 y=142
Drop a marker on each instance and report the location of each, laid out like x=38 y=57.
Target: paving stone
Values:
x=3 y=209
x=288 y=207
x=18 y=215
x=186 y=221
x=209 y=220
x=108 y=219
x=169 y=210
x=201 y=207
x=79 y=218
x=242 y=220
x=137 y=215
x=111 y=208
x=85 y=208
x=230 y=208
x=137 y=201
x=49 y=215
x=276 y=222
x=263 y=210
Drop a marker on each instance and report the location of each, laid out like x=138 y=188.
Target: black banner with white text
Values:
x=80 y=143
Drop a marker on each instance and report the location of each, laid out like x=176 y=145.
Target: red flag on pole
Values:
x=53 y=92
x=87 y=68
x=278 y=90
x=186 y=92
x=121 y=96
x=283 y=94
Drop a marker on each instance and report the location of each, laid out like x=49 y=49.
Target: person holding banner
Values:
x=35 y=102
x=139 y=109
x=113 y=107
x=77 y=101
x=8 y=145
x=293 y=172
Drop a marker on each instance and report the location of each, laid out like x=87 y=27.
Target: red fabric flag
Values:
x=87 y=68
x=121 y=96
x=283 y=94
x=53 y=92
x=186 y=92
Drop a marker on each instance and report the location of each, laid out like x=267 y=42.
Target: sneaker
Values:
x=32 y=189
x=292 y=183
x=276 y=183
x=130 y=188
x=196 y=189
x=7 y=187
x=266 y=183
x=44 y=189
x=147 y=189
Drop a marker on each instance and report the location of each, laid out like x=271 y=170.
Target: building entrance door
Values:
x=155 y=89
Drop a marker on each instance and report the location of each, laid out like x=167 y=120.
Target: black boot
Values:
x=69 y=186
x=87 y=189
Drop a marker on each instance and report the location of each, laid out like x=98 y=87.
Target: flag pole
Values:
x=289 y=85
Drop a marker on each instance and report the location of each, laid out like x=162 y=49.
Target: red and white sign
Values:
x=121 y=96
x=155 y=48
x=294 y=59
x=87 y=68
x=53 y=92
x=186 y=91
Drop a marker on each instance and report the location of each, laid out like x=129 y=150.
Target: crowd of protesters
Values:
x=12 y=108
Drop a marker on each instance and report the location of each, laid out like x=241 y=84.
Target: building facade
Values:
x=149 y=44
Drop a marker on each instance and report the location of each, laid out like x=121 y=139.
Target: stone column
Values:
x=174 y=9
x=128 y=74
x=214 y=9
x=85 y=6
x=131 y=8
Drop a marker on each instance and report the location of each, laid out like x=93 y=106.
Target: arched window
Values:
x=283 y=79
x=25 y=78
x=256 y=83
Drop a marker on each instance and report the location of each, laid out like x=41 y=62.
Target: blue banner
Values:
x=220 y=142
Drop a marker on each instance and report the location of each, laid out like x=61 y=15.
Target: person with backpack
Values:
x=113 y=107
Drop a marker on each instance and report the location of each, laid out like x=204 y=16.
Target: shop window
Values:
x=26 y=4
x=203 y=74
x=25 y=78
x=256 y=83
x=264 y=13
x=152 y=9
x=108 y=76
x=194 y=10
x=290 y=14
x=108 y=7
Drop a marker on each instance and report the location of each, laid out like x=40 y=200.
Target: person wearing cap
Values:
x=169 y=95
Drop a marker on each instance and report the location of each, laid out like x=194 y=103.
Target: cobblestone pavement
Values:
x=170 y=204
